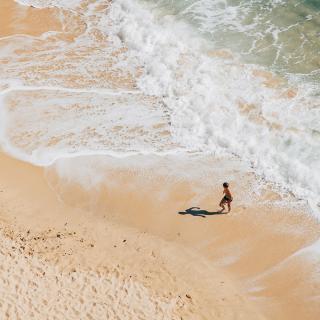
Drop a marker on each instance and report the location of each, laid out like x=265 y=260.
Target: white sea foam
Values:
x=214 y=105
x=43 y=125
x=69 y=4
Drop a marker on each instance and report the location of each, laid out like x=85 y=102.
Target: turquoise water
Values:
x=283 y=36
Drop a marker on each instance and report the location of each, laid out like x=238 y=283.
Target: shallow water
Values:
x=281 y=35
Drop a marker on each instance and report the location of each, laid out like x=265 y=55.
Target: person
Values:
x=227 y=199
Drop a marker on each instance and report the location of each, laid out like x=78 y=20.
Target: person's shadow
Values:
x=197 y=212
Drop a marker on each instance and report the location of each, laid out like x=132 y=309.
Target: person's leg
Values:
x=229 y=206
x=221 y=204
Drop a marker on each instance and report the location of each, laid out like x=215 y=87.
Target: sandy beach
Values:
x=145 y=258
x=137 y=236
x=64 y=262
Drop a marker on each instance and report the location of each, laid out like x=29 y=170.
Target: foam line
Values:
x=70 y=90
x=14 y=152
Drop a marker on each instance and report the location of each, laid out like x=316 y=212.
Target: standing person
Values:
x=227 y=199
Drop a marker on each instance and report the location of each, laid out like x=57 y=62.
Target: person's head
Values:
x=225 y=184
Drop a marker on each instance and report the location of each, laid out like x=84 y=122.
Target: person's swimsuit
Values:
x=226 y=198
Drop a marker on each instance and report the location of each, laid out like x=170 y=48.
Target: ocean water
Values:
x=235 y=79
x=281 y=35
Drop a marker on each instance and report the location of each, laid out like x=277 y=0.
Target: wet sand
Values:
x=16 y=19
x=258 y=243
